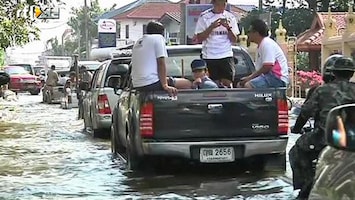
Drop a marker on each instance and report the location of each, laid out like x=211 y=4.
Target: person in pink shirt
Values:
x=271 y=63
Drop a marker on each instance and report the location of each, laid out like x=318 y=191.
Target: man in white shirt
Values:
x=271 y=63
x=148 y=63
x=218 y=30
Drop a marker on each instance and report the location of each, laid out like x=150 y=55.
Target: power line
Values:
x=54 y=27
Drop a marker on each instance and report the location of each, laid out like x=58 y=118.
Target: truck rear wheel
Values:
x=134 y=162
x=35 y=92
x=275 y=162
x=44 y=97
x=114 y=149
x=269 y=163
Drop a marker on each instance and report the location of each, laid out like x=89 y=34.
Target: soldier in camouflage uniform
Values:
x=309 y=145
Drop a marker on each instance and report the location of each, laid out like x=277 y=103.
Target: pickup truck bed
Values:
x=208 y=126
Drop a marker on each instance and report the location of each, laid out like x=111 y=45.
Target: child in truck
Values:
x=201 y=79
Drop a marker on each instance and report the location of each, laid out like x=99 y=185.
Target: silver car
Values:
x=100 y=98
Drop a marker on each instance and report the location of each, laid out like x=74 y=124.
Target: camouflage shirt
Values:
x=326 y=97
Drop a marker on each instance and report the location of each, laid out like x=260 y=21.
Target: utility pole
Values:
x=79 y=47
x=87 y=43
x=260 y=5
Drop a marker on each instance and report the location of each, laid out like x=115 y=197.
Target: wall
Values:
x=172 y=27
x=135 y=28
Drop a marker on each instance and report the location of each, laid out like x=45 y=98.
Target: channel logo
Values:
x=39 y=12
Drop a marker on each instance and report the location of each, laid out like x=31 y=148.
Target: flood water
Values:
x=45 y=154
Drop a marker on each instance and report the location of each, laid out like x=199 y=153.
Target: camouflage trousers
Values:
x=301 y=157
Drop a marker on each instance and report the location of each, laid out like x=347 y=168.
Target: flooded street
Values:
x=45 y=154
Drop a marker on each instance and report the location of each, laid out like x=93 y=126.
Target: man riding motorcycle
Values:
x=336 y=91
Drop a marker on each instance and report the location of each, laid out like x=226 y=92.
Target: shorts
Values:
x=268 y=80
x=223 y=68
x=156 y=86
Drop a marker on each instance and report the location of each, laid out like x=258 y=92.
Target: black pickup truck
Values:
x=207 y=126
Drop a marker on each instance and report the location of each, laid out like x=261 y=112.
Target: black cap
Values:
x=198 y=64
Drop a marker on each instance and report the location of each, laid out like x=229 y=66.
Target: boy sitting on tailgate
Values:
x=201 y=80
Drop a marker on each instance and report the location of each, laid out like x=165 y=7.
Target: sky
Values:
x=55 y=28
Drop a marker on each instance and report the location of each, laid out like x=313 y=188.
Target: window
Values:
x=99 y=78
x=127 y=31
x=173 y=35
x=96 y=80
x=177 y=62
x=118 y=30
x=16 y=70
x=93 y=81
x=144 y=28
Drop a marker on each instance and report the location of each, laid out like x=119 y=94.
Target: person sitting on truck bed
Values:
x=199 y=70
x=148 y=63
x=271 y=63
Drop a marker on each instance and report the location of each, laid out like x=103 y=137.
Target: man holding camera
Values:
x=218 y=30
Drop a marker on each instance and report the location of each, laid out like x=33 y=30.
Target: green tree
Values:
x=295 y=21
x=315 y=5
x=77 y=23
x=15 y=30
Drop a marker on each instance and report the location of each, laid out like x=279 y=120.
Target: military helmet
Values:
x=343 y=64
x=329 y=63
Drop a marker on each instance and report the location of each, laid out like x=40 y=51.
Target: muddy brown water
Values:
x=45 y=154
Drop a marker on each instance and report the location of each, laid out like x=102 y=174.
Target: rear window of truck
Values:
x=178 y=62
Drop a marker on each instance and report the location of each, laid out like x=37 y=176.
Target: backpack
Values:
x=345 y=94
x=4 y=78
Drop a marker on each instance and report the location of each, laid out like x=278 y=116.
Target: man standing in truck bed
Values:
x=217 y=29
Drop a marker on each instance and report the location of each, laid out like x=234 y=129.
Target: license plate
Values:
x=217 y=154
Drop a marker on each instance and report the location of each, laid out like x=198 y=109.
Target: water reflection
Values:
x=46 y=155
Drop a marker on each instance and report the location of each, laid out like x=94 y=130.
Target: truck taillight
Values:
x=103 y=104
x=282 y=116
x=146 y=120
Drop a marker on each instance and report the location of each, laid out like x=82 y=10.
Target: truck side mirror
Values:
x=114 y=81
x=340 y=127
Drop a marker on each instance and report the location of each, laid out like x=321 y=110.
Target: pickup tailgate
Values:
x=203 y=114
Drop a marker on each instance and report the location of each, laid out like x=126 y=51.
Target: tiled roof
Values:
x=338 y=16
x=153 y=10
x=174 y=15
x=312 y=38
x=113 y=13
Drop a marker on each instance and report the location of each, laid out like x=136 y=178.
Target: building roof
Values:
x=176 y=16
x=311 y=39
x=247 y=8
x=111 y=14
x=155 y=9
x=151 y=10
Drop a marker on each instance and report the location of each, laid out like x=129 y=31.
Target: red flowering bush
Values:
x=309 y=79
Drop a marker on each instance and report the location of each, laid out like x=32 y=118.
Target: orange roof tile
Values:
x=312 y=38
x=150 y=10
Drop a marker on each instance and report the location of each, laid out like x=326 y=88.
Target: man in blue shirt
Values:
x=201 y=80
